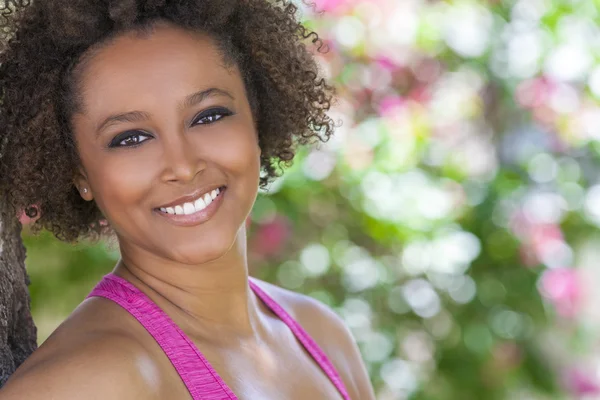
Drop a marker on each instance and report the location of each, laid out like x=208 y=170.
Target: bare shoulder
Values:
x=331 y=333
x=102 y=364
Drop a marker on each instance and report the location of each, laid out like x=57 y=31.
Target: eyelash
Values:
x=218 y=113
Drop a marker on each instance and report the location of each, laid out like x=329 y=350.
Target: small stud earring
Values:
x=84 y=190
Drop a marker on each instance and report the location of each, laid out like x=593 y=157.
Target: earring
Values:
x=84 y=190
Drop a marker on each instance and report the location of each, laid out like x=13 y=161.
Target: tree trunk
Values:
x=18 y=334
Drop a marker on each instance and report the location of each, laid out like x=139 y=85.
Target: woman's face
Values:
x=164 y=121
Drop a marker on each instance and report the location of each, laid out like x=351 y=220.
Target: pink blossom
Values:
x=537 y=238
x=390 y=105
x=386 y=63
x=271 y=237
x=581 y=383
x=541 y=234
x=534 y=93
x=544 y=237
x=420 y=94
x=329 y=5
x=562 y=287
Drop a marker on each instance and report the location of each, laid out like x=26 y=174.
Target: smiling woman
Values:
x=158 y=117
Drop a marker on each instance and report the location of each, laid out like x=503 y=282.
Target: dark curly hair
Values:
x=44 y=43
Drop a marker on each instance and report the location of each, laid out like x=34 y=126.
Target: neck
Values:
x=207 y=301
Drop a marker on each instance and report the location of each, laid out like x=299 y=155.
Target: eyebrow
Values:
x=137 y=116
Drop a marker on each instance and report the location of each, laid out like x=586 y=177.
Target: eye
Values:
x=212 y=115
x=129 y=139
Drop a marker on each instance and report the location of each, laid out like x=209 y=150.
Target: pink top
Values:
x=200 y=378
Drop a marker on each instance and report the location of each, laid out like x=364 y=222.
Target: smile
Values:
x=193 y=206
x=194 y=211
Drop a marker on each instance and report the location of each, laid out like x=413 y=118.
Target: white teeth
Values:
x=199 y=204
x=188 y=208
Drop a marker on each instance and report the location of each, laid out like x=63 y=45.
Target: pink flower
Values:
x=534 y=93
x=531 y=93
x=386 y=63
x=390 y=105
x=544 y=239
x=538 y=240
x=420 y=94
x=561 y=286
x=541 y=234
x=271 y=236
x=580 y=383
x=329 y=5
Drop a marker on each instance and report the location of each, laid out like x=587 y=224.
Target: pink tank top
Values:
x=200 y=378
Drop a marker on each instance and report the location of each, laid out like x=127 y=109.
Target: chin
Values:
x=196 y=252
x=199 y=258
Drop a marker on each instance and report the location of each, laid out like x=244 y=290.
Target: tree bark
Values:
x=18 y=334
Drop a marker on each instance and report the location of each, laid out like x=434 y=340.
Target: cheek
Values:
x=121 y=181
x=239 y=152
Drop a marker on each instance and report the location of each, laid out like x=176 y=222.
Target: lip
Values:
x=190 y=198
x=198 y=217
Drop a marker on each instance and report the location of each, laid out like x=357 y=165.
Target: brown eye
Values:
x=211 y=116
x=129 y=139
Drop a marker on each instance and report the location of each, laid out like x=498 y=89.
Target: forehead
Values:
x=167 y=63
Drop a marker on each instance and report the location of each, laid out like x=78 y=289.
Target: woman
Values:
x=158 y=116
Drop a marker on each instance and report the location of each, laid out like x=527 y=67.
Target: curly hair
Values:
x=44 y=43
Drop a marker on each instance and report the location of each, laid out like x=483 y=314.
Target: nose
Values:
x=182 y=161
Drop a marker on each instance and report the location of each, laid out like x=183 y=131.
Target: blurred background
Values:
x=453 y=220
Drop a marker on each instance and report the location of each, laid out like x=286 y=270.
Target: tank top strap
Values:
x=304 y=338
x=201 y=380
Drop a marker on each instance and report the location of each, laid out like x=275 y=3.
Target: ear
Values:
x=82 y=184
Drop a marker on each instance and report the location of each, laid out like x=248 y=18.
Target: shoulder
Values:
x=93 y=365
x=318 y=319
x=330 y=332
